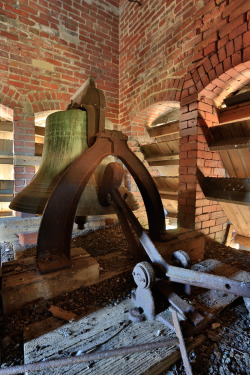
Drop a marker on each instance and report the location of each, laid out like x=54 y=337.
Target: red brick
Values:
x=236 y=58
x=246 y=39
x=27 y=238
x=208 y=224
x=230 y=48
x=246 y=54
x=238 y=43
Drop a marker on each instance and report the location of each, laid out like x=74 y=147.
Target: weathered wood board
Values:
x=110 y=328
x=105 y=329
x=214 y=301
x=22 y=282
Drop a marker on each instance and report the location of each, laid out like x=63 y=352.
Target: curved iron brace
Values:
x=54 y=237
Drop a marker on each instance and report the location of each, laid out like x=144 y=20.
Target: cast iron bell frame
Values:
x=55 y=231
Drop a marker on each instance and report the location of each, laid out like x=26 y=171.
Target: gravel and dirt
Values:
x=226 y=350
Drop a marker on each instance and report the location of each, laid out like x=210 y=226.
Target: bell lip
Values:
x=20 y=208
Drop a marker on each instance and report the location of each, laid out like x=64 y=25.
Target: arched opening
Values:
x=156 y=143
x=6 y=160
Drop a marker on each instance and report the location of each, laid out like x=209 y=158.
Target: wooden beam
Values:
x=27 y=160
x=229 y=235
x=165 y=129
x=5 y=213
x=245 y=241
x=163 y=162
x=235 y=113
x=171 y=197
x=231 y=190
x=40 y=130
x=169 y=194
x=163 y=158
x=6 y=192
x=237 y=99
x=6 y=160
x=230 y=144
x=6 y=198
x=6 y=126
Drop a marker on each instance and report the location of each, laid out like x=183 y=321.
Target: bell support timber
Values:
x=54 y=237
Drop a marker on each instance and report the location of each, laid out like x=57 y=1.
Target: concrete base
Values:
x=22 y=283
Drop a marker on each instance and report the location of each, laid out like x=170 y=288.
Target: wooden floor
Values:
x=106 y=329
x=110 y=328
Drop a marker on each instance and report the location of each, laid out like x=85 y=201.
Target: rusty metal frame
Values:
x=91 y=99
x=54 y=237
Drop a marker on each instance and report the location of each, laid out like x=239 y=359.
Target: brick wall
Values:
x=164 y=53
x=194 y=53
x=47 y=50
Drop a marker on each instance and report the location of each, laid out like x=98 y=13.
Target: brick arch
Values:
x=147 y=115
x=160 y=91
x=230 y=81
x=215 y=78
x=9 y=97
x=48 y=101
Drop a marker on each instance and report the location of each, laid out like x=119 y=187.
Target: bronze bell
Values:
x=65 y=139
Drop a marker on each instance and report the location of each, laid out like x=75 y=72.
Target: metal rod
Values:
x=181 y=275
x=181 y=344
x=206 y=280
x=89 y=357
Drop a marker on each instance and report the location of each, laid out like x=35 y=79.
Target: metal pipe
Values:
x=89 y=357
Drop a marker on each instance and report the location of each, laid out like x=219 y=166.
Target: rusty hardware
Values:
x=173 y=273
x=95 y=356
x=91 y=99
x=146 y=273
x=54 y=237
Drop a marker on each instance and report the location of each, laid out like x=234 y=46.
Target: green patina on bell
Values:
x=65 y=139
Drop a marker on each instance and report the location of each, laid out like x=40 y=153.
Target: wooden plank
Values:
x=172 y=157
x=229 y=235
x=27 y=160
x=6 y=184
x=168 y=170
x=7 y=192
x=6 y=147
x=40 y=130
x=213 y=301
x=38 y=149
x=233 y=190
x=6 y=159
x=239 y=216
x=107 y=328
x=165 y=129
x=232 y=143
x=6 y=198
x=227 y=161
x=245 y=241
x=6 y=126
x=163 y=162
x=237 y=163
x=110 y=328
x=39 y=139
x=237 y=99
x=235 y=113
x=244 y=156
x=171 y=197
x=22 y=282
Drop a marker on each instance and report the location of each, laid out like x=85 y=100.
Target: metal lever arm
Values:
x=176 y=274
